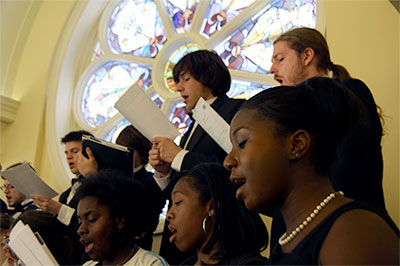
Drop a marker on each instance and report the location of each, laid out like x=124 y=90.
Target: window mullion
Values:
x=199 y=15
x=166 y=19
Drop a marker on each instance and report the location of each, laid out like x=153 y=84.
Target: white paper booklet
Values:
x=23 y=178
x=29 y=247
x=136 y=106
x=213 y=124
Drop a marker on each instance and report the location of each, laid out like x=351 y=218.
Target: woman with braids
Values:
x=284 y=141
x=205 y=216
x=303 y=53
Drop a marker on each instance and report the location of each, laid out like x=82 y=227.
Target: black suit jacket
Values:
x=156 y=204
x=202 y=148
x=73 y=225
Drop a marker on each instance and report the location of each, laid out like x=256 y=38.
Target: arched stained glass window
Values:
x=140 y=41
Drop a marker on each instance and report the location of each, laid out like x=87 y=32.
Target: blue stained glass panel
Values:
x=250 y=48
x=136 y=28
x=182 y=12
x=157 y=100
x=245 y=89
x=114 y=133
x=179 y=118
x=220 y=13
x=105 y=87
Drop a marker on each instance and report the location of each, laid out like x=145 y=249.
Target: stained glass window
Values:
x=181 y=12
x=145 y=39
x=220 y=13
x=114 y=133
x=245 y=89
x=135 y=28
x=106 y=85
x=97 y=52
x=179 y=118
x=250 y=47
x=158 y=100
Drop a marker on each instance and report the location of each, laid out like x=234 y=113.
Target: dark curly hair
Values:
x=125 y=197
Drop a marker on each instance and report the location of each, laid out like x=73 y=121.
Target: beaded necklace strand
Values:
x=285 y=239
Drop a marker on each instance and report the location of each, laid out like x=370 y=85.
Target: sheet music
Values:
x=213 y=124
x=23 y=178
x=28 y=248
x=136 y=106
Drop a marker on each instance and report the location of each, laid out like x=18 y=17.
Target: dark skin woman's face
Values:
x=257 y=161
x=186 y=216
x=97 y=229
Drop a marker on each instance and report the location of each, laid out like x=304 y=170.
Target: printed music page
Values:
x=26 y=180
x=136 y=106
x=213 y=124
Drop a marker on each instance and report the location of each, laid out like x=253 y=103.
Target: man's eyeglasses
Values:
x=5 y=240
x=6 y=187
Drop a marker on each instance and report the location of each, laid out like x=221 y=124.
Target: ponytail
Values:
x=339 y=72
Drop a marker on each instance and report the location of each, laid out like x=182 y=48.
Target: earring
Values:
x=204 y=224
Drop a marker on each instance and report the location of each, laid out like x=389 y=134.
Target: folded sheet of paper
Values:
x=23 y=178
x=213 y=124
x=136 y=106
x=29 y=246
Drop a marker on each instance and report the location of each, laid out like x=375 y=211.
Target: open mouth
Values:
x=88 y=245
x=173 y=230
x=279 y=80
x=184 y=98
x=71 y=165
x=238 y=181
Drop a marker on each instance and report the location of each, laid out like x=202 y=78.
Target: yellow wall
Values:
x=362 y=35
x=24 y=139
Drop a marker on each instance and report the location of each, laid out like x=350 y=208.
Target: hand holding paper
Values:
x=167 y=148
x=47 y=204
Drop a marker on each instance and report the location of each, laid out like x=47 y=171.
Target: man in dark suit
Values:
x=65 y=208
x=198 y=74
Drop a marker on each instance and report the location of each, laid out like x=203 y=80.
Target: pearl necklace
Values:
x=284 y=239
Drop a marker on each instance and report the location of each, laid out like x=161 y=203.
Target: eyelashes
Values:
x=177 y=203
x=242 y=144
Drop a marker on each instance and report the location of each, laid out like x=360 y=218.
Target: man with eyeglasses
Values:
x=15 y=199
